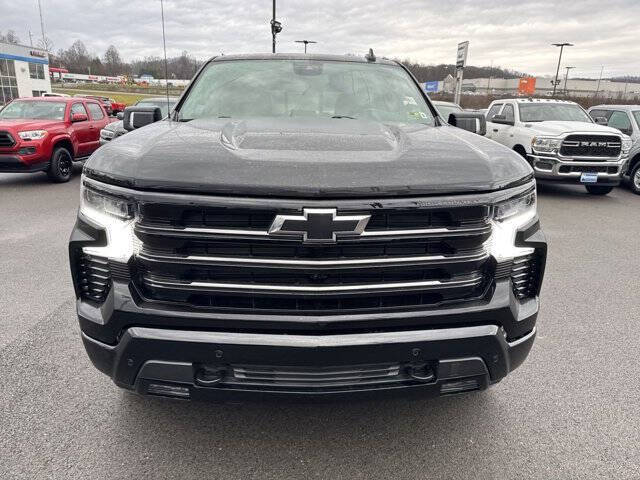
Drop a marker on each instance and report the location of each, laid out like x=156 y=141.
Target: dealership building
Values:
x=24 y=72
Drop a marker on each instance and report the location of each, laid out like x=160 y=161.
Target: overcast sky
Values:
x=513 y=34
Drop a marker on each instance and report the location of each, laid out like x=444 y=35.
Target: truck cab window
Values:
x=493 y=111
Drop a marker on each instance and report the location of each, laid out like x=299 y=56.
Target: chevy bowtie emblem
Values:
x=319 y=225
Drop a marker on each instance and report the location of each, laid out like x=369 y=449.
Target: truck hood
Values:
x=550 y=127
x=306 y=158
x=23 y=124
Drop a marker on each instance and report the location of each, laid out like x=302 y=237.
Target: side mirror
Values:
x=472 y=122
x=601 y=120
x=79 y=117
x=120 y=115
x=137 y=117
x=501 y=119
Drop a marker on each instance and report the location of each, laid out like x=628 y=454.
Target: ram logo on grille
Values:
x=594 y=144
x=319 y=225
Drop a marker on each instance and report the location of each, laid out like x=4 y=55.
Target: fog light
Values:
x=27 y=151
x=168 y=390
x=459 y=386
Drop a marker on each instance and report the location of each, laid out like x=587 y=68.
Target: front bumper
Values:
x=170 y=362
x=15 y=164
x=553 y=169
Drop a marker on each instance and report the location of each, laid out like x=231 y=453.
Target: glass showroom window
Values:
x=8 y=83
x=36 y=70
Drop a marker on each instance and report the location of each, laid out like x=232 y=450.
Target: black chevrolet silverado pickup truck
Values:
x=306 y=225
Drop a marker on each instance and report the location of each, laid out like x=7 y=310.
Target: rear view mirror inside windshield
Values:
x=307 y=68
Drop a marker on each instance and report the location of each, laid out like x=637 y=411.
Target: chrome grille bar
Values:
x=303 y=263
x=232 y=232
x=462 y=282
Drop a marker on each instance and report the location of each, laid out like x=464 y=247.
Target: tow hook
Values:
x=208 y=377
x=421 y=372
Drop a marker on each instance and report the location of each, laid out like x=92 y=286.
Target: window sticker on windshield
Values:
x=418 y=115
x=409 y=101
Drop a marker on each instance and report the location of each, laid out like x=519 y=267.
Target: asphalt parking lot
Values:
x=571 y=411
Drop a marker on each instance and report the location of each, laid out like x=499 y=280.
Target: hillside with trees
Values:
x=425 y=73
x=78 y=59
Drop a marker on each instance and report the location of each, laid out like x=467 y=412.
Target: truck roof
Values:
x=618 y=107
x=55 y=99
x=302 y=56
x=534 y=100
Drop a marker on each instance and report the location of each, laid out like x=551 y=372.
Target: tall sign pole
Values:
x=556 y=82
x=273 y=30
x=461 y=61
x=276 y=27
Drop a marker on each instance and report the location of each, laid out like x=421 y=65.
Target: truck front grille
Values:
x=591 y=146
x=6 y=140
x=224 y=259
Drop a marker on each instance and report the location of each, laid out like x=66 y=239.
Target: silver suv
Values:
x=625 y=118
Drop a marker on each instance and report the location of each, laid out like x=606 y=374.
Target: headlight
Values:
x=32 y=134
x=546 y=144
x=508 y=217
x=627 y=143
x=116 y=215
x=519 y=205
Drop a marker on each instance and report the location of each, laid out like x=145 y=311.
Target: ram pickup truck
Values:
x=305 y=225
x=561 y=142
x=625 y=118
x=48 y=134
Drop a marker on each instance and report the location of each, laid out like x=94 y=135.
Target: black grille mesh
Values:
x=6 y=140
x=94 y=277
x=525 y=276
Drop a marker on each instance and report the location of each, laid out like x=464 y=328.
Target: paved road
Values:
x=571 y=411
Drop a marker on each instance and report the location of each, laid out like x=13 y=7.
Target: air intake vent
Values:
x=94 y=277
x=6 y=140
x=525 y=274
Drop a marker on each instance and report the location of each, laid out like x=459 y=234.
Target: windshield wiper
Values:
x=344 y=116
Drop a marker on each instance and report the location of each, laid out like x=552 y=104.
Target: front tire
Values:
x=598 y=189
x=634 y=176
x=61 y=165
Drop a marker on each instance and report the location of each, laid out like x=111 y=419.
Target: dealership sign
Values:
x=461 y=59
x=431 y=87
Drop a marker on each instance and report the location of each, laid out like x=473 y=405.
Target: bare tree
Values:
x=11 y=37
x=112 y=61
x=45 y=44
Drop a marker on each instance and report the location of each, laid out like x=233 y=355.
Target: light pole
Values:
x=306 y=42
x=566 y=77
x=561 y=45
x=276 y=27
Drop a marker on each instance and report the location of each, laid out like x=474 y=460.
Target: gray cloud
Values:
x=514 y=35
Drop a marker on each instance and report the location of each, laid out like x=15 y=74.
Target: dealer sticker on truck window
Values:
x=588 y=177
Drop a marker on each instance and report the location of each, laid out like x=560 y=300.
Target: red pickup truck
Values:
x=117 y=107
x=49 y=134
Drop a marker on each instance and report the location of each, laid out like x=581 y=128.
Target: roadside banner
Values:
x=431 y=87
x=527 y=86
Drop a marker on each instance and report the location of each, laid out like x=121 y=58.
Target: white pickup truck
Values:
x=560 y=141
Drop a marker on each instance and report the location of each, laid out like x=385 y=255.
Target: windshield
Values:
x=446 y=110
x=157 y=103
x=34 y=109
x=540 y=112
x=306 y=88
